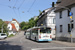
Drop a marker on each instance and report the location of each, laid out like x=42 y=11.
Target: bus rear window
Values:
x=45 y=30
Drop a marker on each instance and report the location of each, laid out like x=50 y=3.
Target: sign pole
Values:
x=71 y=27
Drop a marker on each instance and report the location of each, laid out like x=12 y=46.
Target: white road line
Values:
x=52 y=48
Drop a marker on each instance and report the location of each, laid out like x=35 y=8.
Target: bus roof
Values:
x=37 y=28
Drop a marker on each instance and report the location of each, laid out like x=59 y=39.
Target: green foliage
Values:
x=30 y=24
x=11 y=35
x=40 y=11
x=7 y=34
x=24 y=25
x=4 y=26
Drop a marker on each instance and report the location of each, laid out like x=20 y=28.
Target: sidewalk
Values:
x=64 y=43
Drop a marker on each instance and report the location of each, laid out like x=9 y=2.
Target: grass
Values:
x=11 y=35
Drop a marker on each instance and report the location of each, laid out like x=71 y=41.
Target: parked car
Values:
x=3 y=36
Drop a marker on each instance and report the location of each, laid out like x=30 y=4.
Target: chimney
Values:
x=58 y=1
x=52 y=4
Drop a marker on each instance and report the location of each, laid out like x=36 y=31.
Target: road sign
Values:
x=70 y=13
x=70 y=35
x=41 y=24
x=71 y=17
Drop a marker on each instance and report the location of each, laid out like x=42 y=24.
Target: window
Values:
x=53 y=20
x=8 y=27
x=34 y=32
x=69 y=28
x=69 y=12
x=45 y=30
x=72 y=26
x=60 y=14
x=60 y=28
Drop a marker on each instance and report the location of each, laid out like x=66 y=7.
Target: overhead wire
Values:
x=21 y=4
x=4 y=5
x=31 y=6
x=15 y=12
x=15 y=3
x=19 y=8
x=13 y=8
x=19 y=13
x=29 y=12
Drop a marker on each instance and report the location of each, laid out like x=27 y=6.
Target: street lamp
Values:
x=70 y=20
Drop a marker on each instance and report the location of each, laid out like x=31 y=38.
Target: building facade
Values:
x=47 y=18
x=15 y=22
x=12 y=26
x=63 y=20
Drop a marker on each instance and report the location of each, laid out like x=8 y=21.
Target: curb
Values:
x=64 y=43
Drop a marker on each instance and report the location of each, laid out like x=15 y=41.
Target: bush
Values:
x=7 y=34
x=11 y=35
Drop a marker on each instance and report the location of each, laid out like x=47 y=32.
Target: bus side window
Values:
x=33 y=32
x=36 y=32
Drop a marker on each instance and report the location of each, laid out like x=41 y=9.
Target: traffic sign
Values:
x=41 y=24
x=71 y=17
x=70 y=13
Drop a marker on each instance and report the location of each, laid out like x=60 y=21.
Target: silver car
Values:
x=3 y=36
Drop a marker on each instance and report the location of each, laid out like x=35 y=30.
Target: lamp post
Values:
x=71 y=20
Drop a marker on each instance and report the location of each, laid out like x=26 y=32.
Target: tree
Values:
x=26 y=25
x=22 y=25
x=40 y=11
x=4 y=26
x=31 y=22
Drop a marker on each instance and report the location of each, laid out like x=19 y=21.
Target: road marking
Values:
x=53 y=48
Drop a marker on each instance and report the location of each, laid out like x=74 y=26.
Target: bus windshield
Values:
x=45 y=30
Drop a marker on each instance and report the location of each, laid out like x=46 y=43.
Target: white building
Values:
x=47 y=18
x=63 y=19
x=35 y=17
x=15 y=22
x=13 y=26
x=12 y=29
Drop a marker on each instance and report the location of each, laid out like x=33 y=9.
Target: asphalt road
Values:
x=19 y=42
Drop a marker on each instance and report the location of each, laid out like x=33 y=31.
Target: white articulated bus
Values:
x=39 y=34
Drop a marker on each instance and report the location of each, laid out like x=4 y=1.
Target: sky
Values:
x=22 y=10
